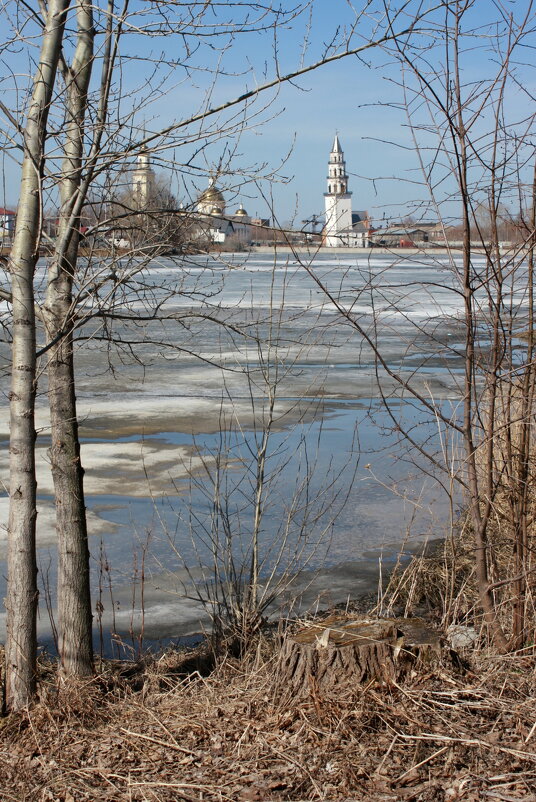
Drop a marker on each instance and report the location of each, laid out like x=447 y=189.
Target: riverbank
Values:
x=192 y=726
x=311 y=251
x=166 y=730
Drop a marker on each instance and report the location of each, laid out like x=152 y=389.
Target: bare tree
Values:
x=74 y=600
x=155 y=223
x=498 y=378
x=267 y=507
x=21 y=600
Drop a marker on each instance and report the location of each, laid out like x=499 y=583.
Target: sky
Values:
x=359 y=98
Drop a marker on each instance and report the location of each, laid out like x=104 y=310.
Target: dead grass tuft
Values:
x=441 y=581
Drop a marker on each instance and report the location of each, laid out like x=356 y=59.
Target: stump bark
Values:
x=339 y=651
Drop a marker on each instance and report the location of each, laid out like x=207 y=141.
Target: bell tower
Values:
x=143 y=181
x=338 y=200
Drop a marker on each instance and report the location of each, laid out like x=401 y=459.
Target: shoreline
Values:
x=309 y=249
x=397 y=253
x=129 y=633
x=167 y=613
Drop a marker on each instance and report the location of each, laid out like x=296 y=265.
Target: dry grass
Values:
x=441 y=582
x=159 y=735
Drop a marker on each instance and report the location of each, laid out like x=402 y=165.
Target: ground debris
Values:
x=429 y=737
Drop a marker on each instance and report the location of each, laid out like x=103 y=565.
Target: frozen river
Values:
x=180 y=402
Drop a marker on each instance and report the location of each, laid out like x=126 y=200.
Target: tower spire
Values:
x=337 y=177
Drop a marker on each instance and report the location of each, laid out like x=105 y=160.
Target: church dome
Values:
x=241 y=212
x=216 y=210
x=212 y=196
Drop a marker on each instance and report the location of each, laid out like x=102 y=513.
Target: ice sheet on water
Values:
x=321 y=358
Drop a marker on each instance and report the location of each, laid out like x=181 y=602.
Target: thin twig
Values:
x=159 y=742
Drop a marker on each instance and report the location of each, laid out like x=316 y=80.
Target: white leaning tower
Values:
x=338 y=226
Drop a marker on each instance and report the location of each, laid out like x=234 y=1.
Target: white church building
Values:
x=217 y=224
x=143 y=180
x=343 y=227
x=207 y=216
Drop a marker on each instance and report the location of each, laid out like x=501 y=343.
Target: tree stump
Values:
x=339 y=651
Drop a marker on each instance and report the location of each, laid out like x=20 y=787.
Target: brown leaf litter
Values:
x=159 y=735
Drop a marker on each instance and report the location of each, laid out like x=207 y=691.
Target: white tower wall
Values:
x=143 y=180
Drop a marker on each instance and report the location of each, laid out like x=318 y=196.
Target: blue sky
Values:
x=359 y=98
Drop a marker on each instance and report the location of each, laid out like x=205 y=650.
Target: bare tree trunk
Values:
x=21 y=602
x=479 y=518
x=75 y=644
x=523 y=454
x=74 y=600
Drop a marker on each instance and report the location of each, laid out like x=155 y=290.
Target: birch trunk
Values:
x=75 y=643
x=21 y=601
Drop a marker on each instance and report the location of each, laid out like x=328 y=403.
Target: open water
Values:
x=199 y=348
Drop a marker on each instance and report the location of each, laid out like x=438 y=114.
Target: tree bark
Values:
x=338 y=653
x=75 y=643
x=21 y=601
x=75 y=646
